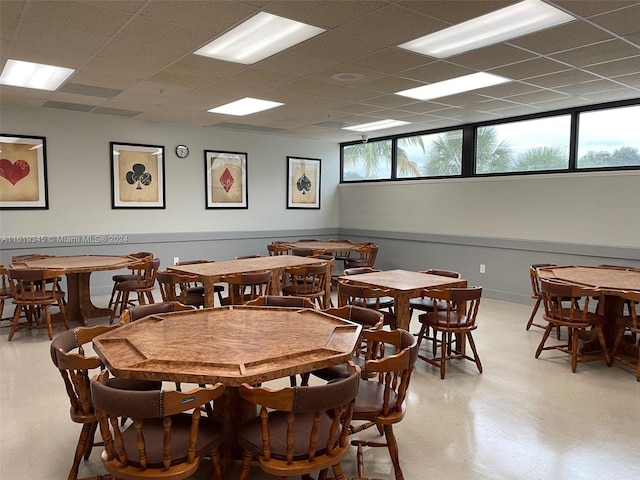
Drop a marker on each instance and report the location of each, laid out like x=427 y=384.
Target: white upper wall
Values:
x=586 y=208
x=78 y=164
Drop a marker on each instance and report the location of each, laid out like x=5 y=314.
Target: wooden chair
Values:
x=165 y=438
x=383 y=391
x=307 y=281
x=277 y=248
x=5 y=289
x=631 y=324
x=366 y=256
x=244 y=287
x=537 y=295
x=127 y=276
x=137 y=312
x=299 y=430
x=459 y=319
x=35 y=290
x=143 y=285
x=196 y=287
x=368 y=297
x=384 y=303
x=176 y=287
x=580 y=322
x=426 y=303
x=281 y=301
x=67 y=354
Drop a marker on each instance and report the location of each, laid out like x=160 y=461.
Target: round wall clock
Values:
x=182 y=151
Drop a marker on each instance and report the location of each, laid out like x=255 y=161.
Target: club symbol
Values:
x=303 y=184
x=138 y=176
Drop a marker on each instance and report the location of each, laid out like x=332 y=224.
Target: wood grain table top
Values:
x=244 y=265
x=610 y=280
x=404 y=280
x=227 y=344
x=79 y=263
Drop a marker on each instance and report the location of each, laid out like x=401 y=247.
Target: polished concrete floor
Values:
x=521 y=419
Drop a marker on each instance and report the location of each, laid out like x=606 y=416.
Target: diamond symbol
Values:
x=227 y=180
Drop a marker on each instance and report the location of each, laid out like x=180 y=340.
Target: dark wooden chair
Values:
x=454 y=324
x=381 y=400
x=67 y=354
x=143 y=285
x=34 y=291
x=426 y=303
x=196 y=287
x=137 y=312
x=124 y=277
x=364 y=255
x=299 y=430
x=384 y=303
x=307 y=281
x=628 y=323
x=277 y=248
x=177 y=287
x=580 y=322
x=165 y=438
x=537 y=295
x=368 y=297
x=244 y=287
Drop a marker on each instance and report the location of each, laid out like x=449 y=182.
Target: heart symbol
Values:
x=14 y=172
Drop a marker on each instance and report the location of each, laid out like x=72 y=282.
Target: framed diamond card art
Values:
x=225 y=179
x=137 y=175
x=303 y=182
x=23 y=172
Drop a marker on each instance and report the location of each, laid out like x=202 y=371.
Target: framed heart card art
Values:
x=23 y=172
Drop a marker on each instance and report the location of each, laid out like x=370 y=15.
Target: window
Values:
x=433 y=155
x=529 y=145
x=609 y=138
x=366 y=161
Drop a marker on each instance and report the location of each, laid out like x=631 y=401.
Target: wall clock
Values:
x=182 y=151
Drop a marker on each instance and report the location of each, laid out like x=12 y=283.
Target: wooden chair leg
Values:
x=81 y=448
x=533 y=313
x=392 y=446
x=16 y=319
x=603 y=344
x=216 y=466
x=47 y=319
x=476 y=358
x=574 y=350
x=247 y=458
x=545 y=335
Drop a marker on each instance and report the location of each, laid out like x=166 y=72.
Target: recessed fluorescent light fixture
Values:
x=245 y=106
x=379 y=125
x=33 y=75
x=520 y=19
x=465 y=83
x=259 y=37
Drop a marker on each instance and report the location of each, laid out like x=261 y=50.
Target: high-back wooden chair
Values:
x=299 y=430
x=244 y=287
x=165 y=439
x=307 y=281
x=362 y=296
x=281 y=301
x=562 y=309
x=628 y=323
x=5 y=288
x=34 y=291
x=277 y=248
x=381 y=400
x=455 y=323
x=137 y=312
x=123 y=277
x=176 y=287
x=67 y=354
x=364 y=255
x=536 y=294
x=143 y=285
x=426 y=303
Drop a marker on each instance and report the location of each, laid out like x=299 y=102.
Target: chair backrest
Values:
x=442 y=273
x=175 y=286
x=306 y=252
x=275 y=248
x=193 y=262
x=353 y=294
x=137 y=312
x=306 y=279
x=367 y=252
x=162 y=441
x=5 y=287
x=391 y=364
x=561 y=301
x=145 y=270
x=366 y=317
x=535 y=278
x=35 y=284
x=359 y=270
x=462 y=306
x=244 y=287
x=634 y=299
x=281 y=301
x=325 y=412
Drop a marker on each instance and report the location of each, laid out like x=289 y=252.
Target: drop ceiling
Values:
x=134 y=59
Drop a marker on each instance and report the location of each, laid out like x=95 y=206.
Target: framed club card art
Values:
x=23 y=172
x=137 y=175
x=225 y=179
x=303 y=182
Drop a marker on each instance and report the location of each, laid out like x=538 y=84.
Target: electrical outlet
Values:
x=482 y=268
x=176 y=260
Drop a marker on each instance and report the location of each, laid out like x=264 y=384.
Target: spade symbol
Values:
x=303 y=184
x=138 y=176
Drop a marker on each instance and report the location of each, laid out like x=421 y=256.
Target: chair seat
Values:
x=370 y=400
x=385 y=302
x=124 y=277
x=426 y=304
x=440 y=320
x=39 y=297
x=209 y=436
x=132 y=285
x=250 y=434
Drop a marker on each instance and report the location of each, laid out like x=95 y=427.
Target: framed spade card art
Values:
x=23 y=172
x=225 y=179
x=137 y=175
x=303 y=182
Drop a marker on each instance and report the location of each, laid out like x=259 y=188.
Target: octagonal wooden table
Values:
x=232 y=345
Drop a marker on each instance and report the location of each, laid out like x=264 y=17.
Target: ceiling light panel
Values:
x=465 y=83
x=259 y=37
x=514 y=21
x=382 y=124
x=34 y=75
x=245 y=106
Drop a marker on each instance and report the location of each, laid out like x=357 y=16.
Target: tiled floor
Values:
x=521 y=419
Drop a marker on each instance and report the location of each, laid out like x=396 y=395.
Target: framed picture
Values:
x=225 y=179
x=303 y=182
x=137 y=175
x=23 y=172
